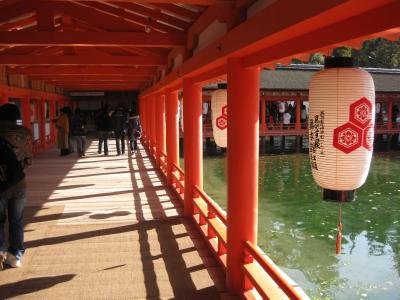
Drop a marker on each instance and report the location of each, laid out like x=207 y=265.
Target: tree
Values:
x=342 y=52
x=378 y=53
x=316 y=59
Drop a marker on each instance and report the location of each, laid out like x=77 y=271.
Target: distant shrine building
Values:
x=284 y=103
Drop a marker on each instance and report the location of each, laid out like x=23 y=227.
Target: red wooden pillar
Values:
x=26 y=112
x=42 y=122
x=160 y=123
x=193 y=141
x=172 y=118
x=298 y=112
x=142 y=118
x=263 y=115
x=148 y=119
x=390 y=112
x=3 y=99
x=243 y=132
x=53 y=132
x=153 y=139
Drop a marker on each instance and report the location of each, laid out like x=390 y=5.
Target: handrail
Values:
x=274 y=272
x=163 y=162
x=179 y=170
x=212 y=223
x=177 y=180
x=217 y=210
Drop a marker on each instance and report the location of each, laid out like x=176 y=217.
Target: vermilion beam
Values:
x=45 y=19
x=81 y=60
x=100 y=77
x=93 y=82
x=13 y=11
x=100 y=89
x=178 y=10
x=199 y=2
x=384 y=18
x=69 y=70
x=155 y=14
x=143 y=21
x=114 y=39
x=92 y=16
x=19 y=23
x=301 y=18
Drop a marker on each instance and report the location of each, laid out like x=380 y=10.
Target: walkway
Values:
x=107 y=227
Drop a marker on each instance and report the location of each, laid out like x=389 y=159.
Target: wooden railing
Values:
x=264 y=279
x=163 y=163
x=178 y=181
x=212 y=222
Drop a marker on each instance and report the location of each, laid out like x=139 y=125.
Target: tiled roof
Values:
x=299 y=79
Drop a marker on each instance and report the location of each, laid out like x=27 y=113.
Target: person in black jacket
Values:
x=103 y=126
x=134 y=131
x=78 y=128
x=118 y=121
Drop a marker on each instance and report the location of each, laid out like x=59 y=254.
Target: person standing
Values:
x=15 y=145
x=103 y=124
x=78 y=128
x=62 y=125
x=134 y=132
x=118 y=120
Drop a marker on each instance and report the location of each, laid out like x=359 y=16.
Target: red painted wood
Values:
x=193 y=141
x=114 y=39
x=243 y=136
x=172 y=119
x=160 y=123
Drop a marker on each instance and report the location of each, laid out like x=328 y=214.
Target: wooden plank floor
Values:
x=107 y=227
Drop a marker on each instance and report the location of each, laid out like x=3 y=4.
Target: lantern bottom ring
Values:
x=338 y=196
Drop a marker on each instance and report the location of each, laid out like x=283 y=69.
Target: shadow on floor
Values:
x=32 y=285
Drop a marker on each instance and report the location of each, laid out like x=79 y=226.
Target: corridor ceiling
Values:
x=134 y=45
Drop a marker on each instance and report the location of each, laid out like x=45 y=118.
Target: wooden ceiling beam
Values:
x=92 y=16
x=90 y=71
x=45 y=18
x=178 y=10
x=114 y=39
x=194 y=2
x=155 y=14
x=90 y=78
x=36 y=60
x=29 y=19
x=16 y=10
x=142 y=21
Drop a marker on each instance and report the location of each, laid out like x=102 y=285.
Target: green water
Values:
x=298 y=230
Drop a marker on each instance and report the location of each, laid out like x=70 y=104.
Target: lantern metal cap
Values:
x=339 y=62
x=338 y=196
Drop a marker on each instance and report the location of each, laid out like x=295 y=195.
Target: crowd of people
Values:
x=122 y=124
x=15 y=156
x=284 y=113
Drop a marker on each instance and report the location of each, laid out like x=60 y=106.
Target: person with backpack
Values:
x=134 y=132
x=78 y=131
x=14 y=157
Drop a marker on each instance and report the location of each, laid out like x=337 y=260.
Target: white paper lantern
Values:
x=341 y=128
x=219 y=110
